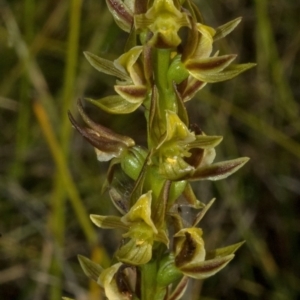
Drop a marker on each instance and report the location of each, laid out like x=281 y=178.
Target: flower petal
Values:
x=202 y=68
x=176 y=130
x=122 y=14
x=207 y=268
x=189 y=247
x=108 y=222
x=132 y=93
x=106 y=148
x=175 y=168
x=103 y=131
x=120 y=204
x=115 y=104
x=205 y=43
x=105 y=66
x=191 y=87
x=162 y=237
x=225 y=251
x=190 y=196
x=205 y=141
x=134 y=253
x=227 y=28
x=108 y=281
x=141 y=211
x=90 y=269
x=218 y=171
x=180 y=289
x=128 y=62
x=229 y=73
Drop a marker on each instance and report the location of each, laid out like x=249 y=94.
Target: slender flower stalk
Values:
x=157 y=73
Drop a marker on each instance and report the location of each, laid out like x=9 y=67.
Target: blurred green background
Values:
x=50 y=180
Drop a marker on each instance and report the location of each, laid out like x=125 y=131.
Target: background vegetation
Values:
x=50 y=180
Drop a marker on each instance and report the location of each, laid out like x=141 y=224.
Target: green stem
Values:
x=167 y=97
x=148 y=280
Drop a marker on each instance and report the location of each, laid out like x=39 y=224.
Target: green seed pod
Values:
x=177 y=71
x=168 y=273
x=133 y=160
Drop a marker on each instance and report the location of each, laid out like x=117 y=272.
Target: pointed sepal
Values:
x=122 y=14
x=108 y=222
x=207 y=268
x=115 y=104
x=180 y=289
x=219 y=170
x=225 y=251
x=90 y=269
x=132 y=93
x=105 y=66
x=226 y=29
x=208 y=69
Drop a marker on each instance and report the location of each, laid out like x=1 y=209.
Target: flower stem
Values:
x=148 y=282
x=167 y=97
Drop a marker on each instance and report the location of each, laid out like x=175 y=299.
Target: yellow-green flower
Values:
x=192 y=259
x=203 y=66
x=110 y=285
x=141 y=231
x=164 y=20
x=114 y=281
x=132 y=89
x=178 y=159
